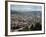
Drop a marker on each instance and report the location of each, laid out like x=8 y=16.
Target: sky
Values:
x=25 y=8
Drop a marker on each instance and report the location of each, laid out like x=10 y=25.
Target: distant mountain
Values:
x=29 y=13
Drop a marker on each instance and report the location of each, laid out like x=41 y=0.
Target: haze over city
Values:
x=25 y=8
x=26 y=17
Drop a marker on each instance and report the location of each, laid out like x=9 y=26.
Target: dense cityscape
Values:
x=26 y=21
